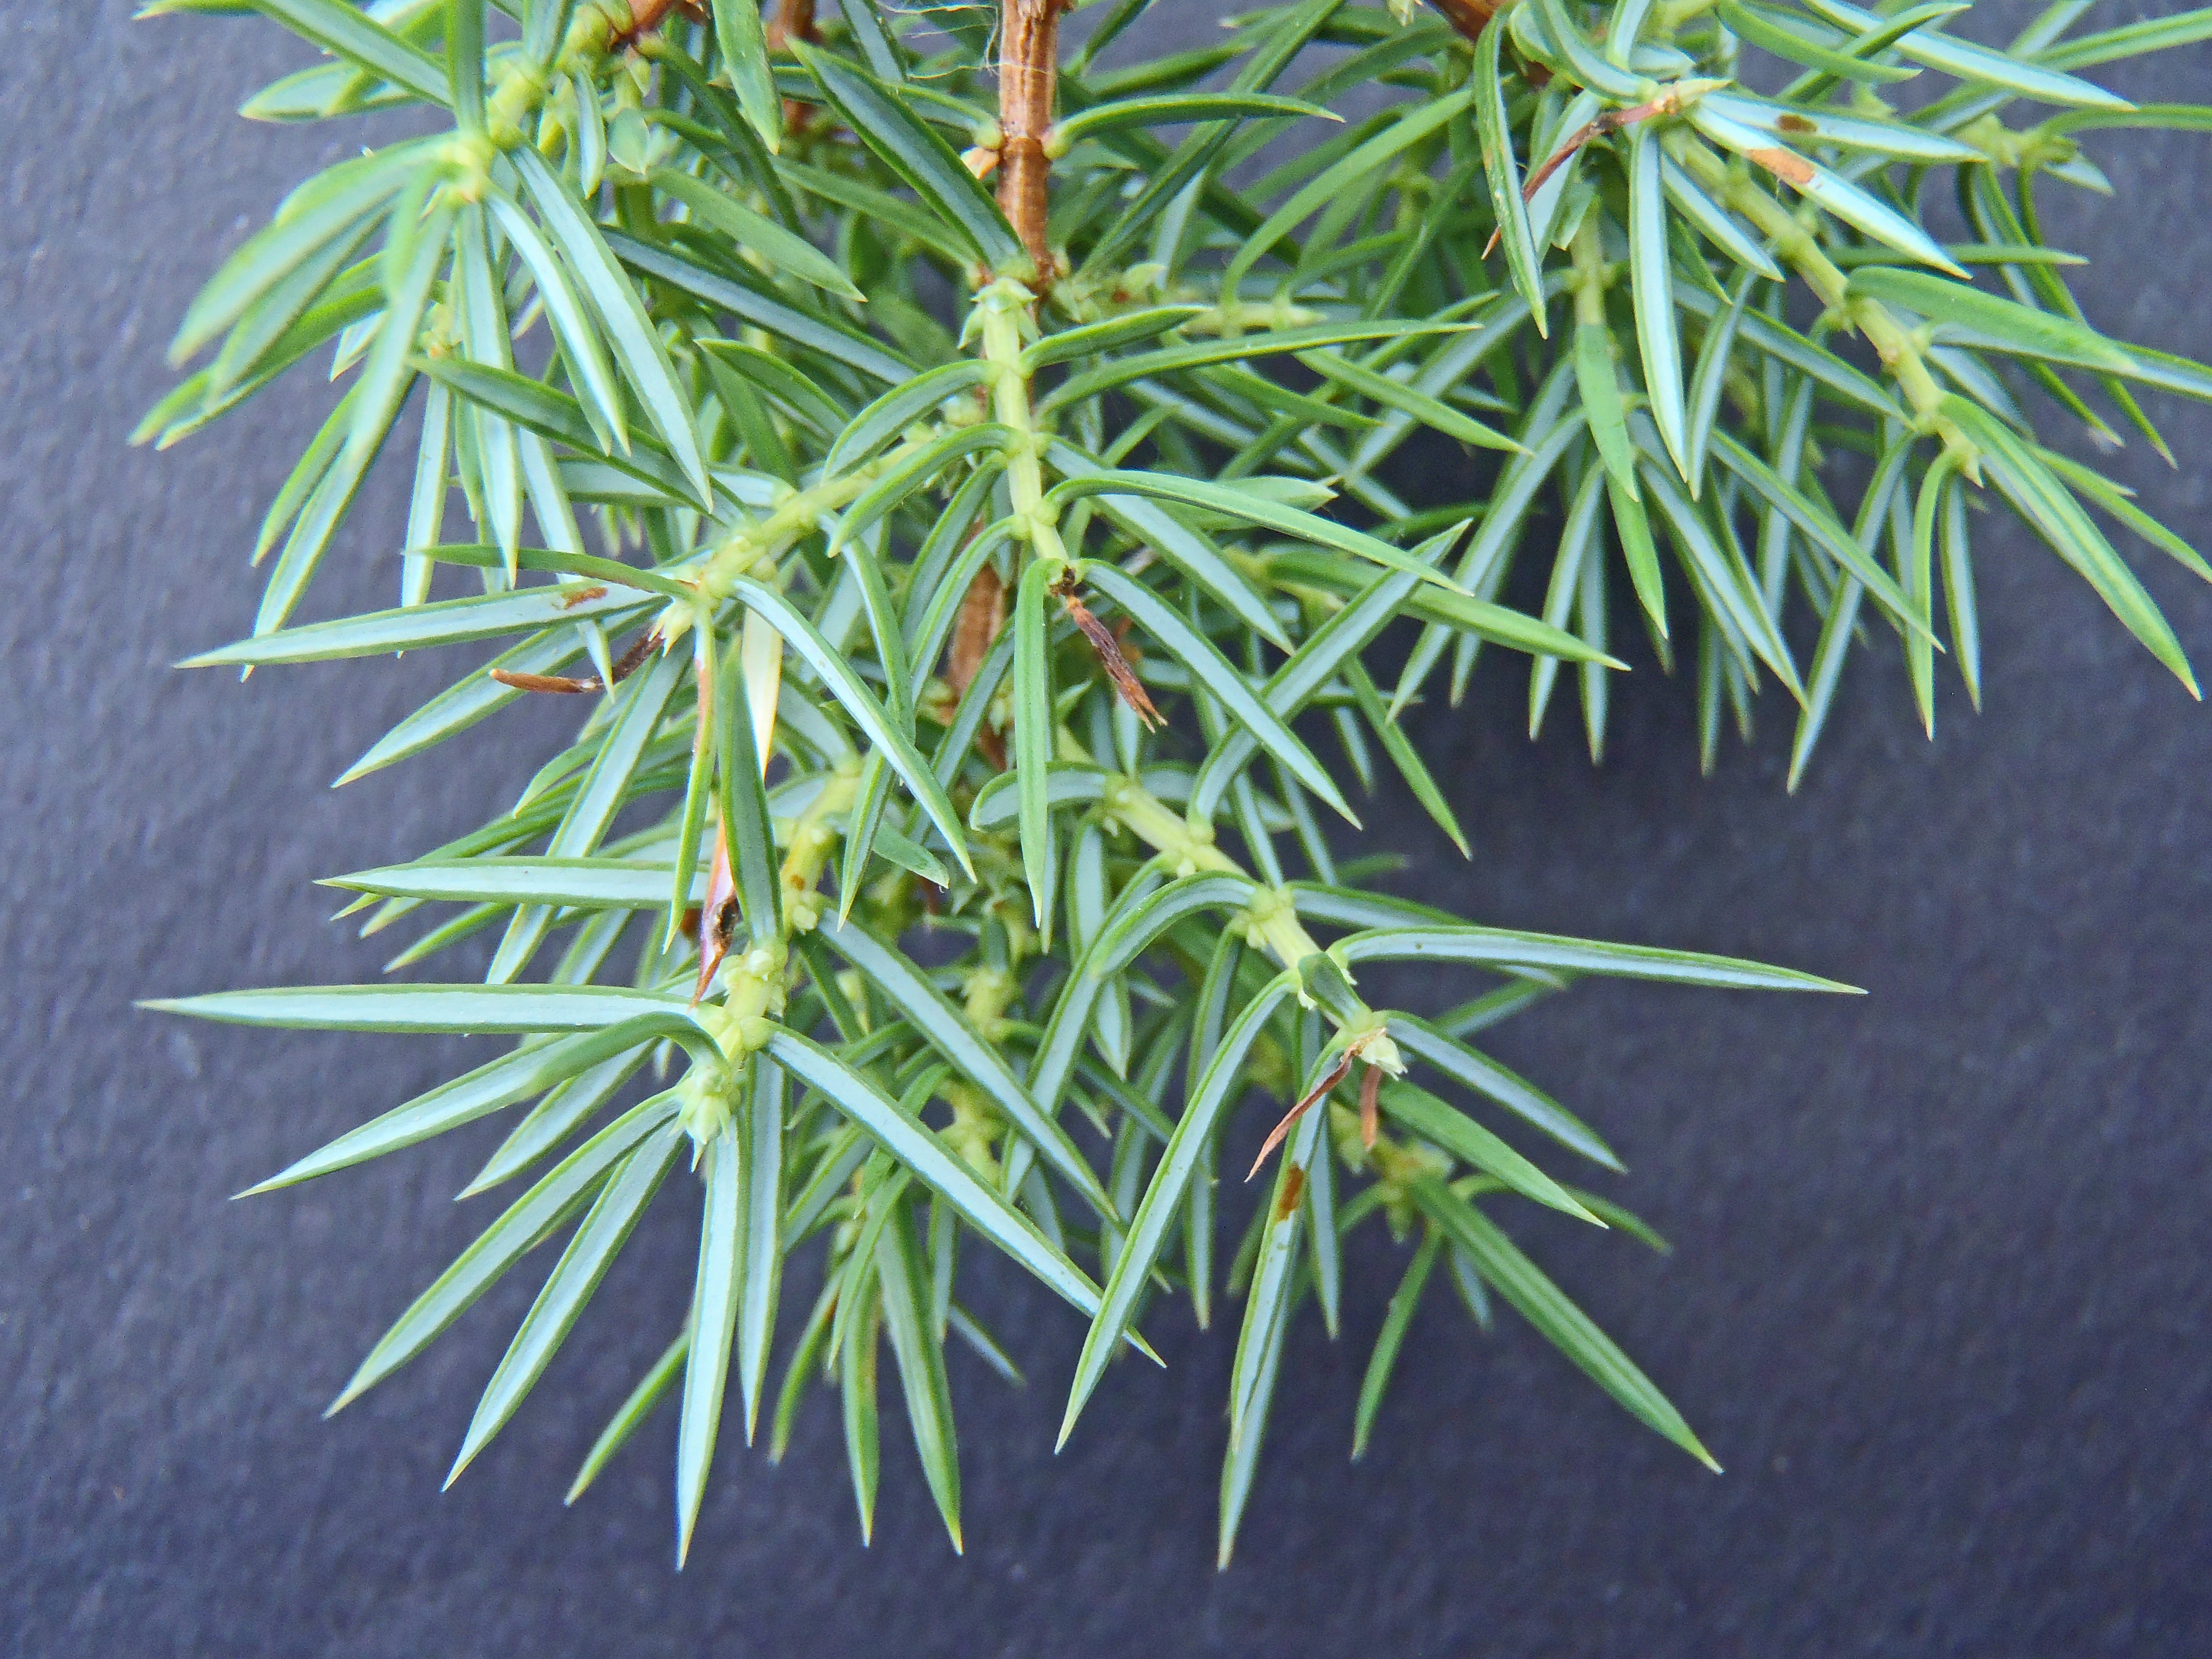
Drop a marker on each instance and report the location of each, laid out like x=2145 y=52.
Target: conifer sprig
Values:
x=989 y=451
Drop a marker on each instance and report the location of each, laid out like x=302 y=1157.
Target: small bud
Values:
x=748 y=998
x=704 y=1096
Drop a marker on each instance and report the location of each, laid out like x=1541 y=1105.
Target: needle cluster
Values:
x=953 y=477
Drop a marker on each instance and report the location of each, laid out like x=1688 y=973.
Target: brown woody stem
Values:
x=646 y=16
x=792 y=20
x=1029 y=77
x=982 y=614
x=1468 y=16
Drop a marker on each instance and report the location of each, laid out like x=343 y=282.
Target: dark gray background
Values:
x=1939 y=1299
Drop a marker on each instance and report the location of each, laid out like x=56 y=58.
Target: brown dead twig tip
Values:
x=630 y=661
x=718 y=916
x=1371 y=1107
x=1336 y=1074
x=1106 y=642
x=564 y=686
x=1606 y=123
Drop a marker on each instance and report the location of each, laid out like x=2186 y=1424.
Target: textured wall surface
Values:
x=1939 y=1299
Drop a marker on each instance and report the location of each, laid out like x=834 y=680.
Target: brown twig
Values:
x=982 y=614
x=1029 y=78
x=1371 y=1107
x=1468 y=16
x=792 y=19
x=646 y=16
x=1107 y=643
x=565 y=686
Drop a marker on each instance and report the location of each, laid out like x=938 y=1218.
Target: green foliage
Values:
x=976 y=561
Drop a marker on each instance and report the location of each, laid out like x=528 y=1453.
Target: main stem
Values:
x=1029 y=78
x=1029 y=74
x=1002 y=310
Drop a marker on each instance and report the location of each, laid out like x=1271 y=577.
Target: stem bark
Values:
x=1029 y=79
